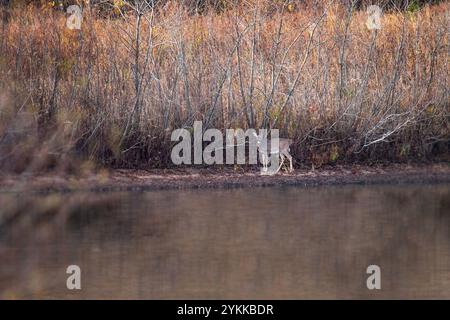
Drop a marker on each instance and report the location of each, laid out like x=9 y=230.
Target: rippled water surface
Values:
x=244 y=243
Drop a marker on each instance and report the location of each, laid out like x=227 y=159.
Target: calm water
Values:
x=247 y=243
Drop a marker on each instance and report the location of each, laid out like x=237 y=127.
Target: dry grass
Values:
x=111 y=93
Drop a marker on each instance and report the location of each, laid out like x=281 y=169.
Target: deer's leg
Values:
x=291 y=168
x=267 y=162
x=282 y=161
x=288 y=155
x=264 y=161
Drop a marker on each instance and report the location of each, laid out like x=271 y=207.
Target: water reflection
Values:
x=245 y=243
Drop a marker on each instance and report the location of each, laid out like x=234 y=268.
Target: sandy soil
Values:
x=227 y=177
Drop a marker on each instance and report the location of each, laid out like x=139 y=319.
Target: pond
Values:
x=255 y=243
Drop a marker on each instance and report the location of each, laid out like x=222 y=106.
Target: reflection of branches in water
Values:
x=43 y=217
x=104 y=215
x=260 y=243
x=406 y=244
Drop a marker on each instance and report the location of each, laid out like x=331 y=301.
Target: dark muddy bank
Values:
x=192 y=178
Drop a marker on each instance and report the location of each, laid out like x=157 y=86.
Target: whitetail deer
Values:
x=265 y=150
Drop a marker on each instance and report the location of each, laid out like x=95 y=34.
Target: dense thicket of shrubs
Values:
x=112 y=92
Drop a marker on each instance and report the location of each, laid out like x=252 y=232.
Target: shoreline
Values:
x=225 y=178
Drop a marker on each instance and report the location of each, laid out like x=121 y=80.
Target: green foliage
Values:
x=405 y=150
x=334 y=153
x=413 y=7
